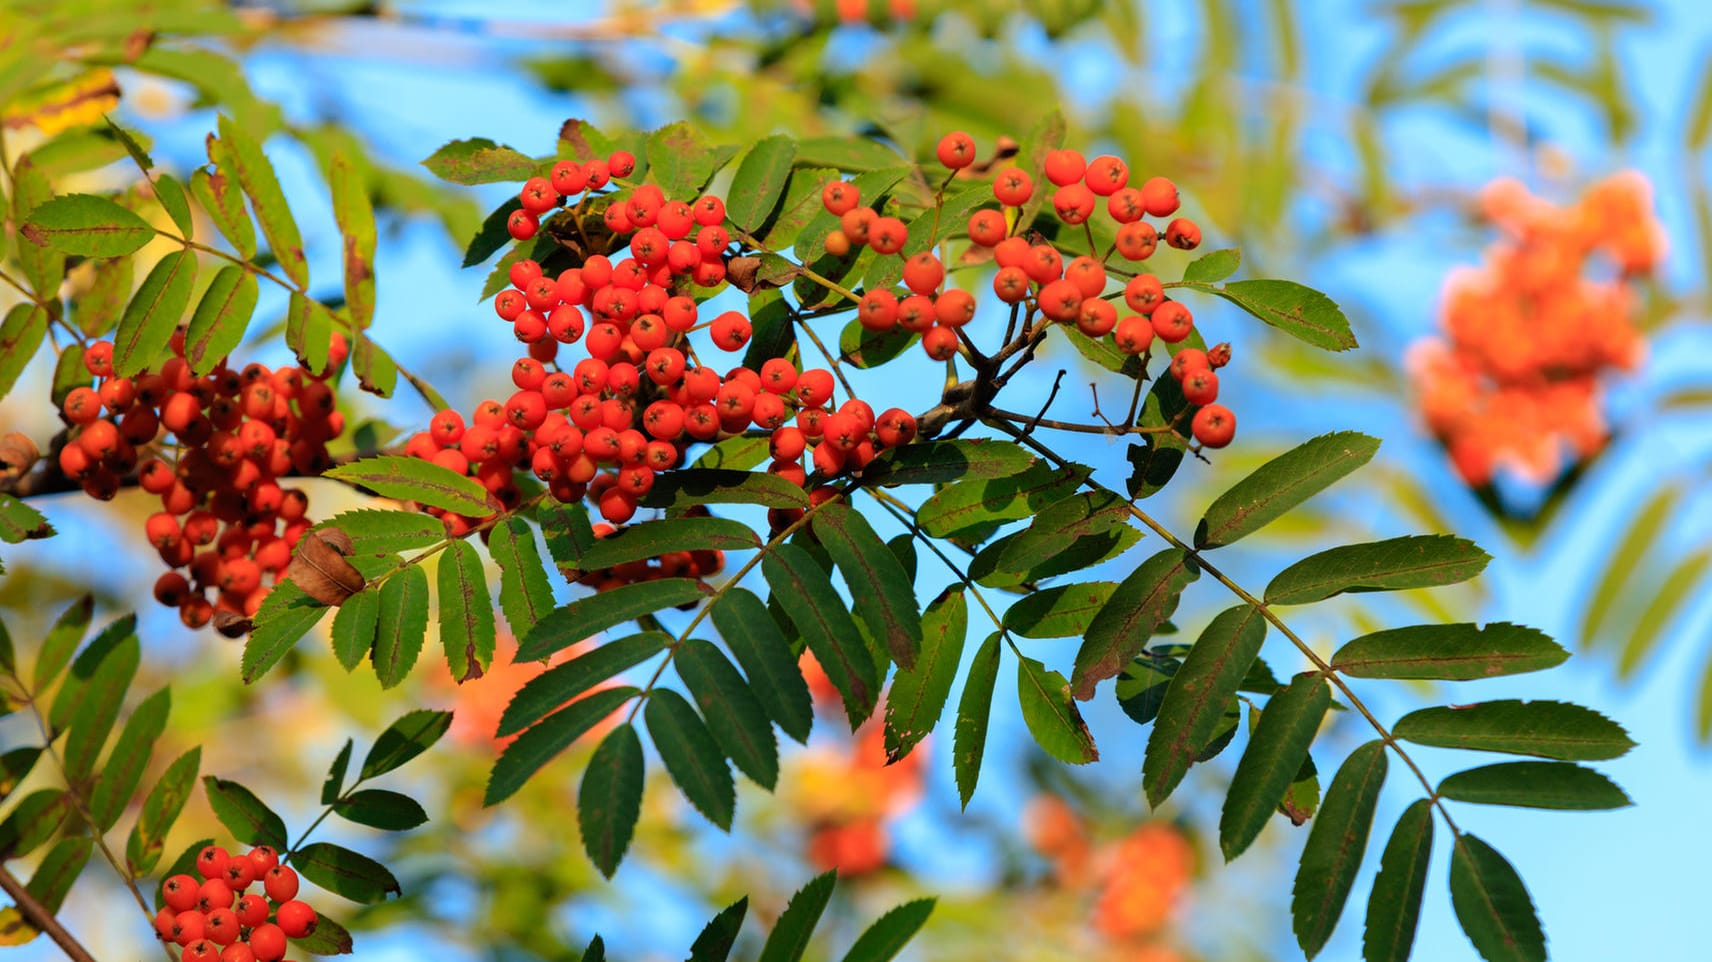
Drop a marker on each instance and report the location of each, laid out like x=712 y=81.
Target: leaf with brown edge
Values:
x=1141 y=603
x=320 y=567
x=1194 y=699
x=1335 y=846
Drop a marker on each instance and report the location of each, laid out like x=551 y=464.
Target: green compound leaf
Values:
x=1546 y=729
x=806 y=594
x=1194 y=700
x=692 y=756
x=610 y=798
x=524 y=593
x=969 y=743
x=402 y=626
x=1062 y=612
x=344 y=872
x=411 y=735
x=354 y=628
x=249 y=820
x=220 y=318
x=154 y=313
x=559 y=684
x=883 y=940
x=1493 y=905
x=1413 y=561
x=765 y=654
x=918 y=694
x=1141 y=603
x=479 y=161
x=542 y=743
x=733 y=713
x=86 y=225
x=1335 y=846
x=467 y=630
x=790 y=936
x=1459 y=652
x=160 y=810
x=378 y=808
x=1272 y=759
x=1051 y=714
x=586 y=617
x=883 y=591
x=255 y=174
x=1394 y=907
x=1281 y=484
x=412 y=479
x=1561 y=786
x=650 y=539
x=760 y=182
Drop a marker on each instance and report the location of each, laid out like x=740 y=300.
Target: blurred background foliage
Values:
x=1344 y=144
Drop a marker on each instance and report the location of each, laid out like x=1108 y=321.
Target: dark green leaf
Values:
x=479 y=161
x=116 y=633
x=790 y=936
x=1061 y=612
x=1059 y=526
x=1194 y=701
x=1141 y=603
x=717 y=938
x=759 y=182
x=1547 y=729
x=1555 y=785
x=807 y=596
x=286 y=616
x=540 y=744
x=493 y=235
x=691 y=755
x=918 y=694
x=130 y=755
x=610 y=799
x=1394 y=907
x=220 y=318
x=378 y=808
x=62 y=641
x=378 y=531
x=677 y=490
x=967 y=504
x=160 y=810
x=733 y=713
x=1493 y=905
x=344 y=872
x=1213 y=266
x=70 y=373
x=402 y=626
x=586 y=617
x=411 y=735
x=1051 y=714
x=1301 y=312
x=467 y=630
x=248 y=819
x=328 y=938
x=86 y=225
x=1457 y=652
x=170 y=192
x=1335 y=846
x=941 y=462
x=255 y=174
x=334 y=785
x=524 y=594
x=762 y=649
x=862 y=348
x=154 y=313
x=33 y=821
x=412 y=479
x=354 y=627
x=1413 y=561
x=883 y=940
x=21 y=335
x=52 y=880
x=563 y=682
x=969 y=743
x=1270 y=762
x=883 y=590
x=15 y=765
x=1281 y=484
x=650 y=539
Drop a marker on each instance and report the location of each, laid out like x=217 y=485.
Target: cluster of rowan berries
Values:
x=1514 y=378
x=214 y=919
x=224 y=519
x=604 y=427
x=1035 y=273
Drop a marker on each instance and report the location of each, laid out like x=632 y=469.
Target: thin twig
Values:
x=38 y=915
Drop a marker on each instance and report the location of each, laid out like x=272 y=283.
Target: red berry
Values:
x=1012 y=187
x=940 y=343
x=1183 y=234
x=1160 y=197
x=538 y=195
x=956 y=150
x=1073 y=203
x=214 y=894
x=1107 y=175
x=1172 y=321
x=839 y=197
x=1133 y=335
x=1143 y=293
x=522 y=225
x=622 y=163
x=188 y=927
x=267 y=941
x=280 y=883
x=1201 y=387
x=1214 y=425
x=201 y=951
x=238 y=952
x=296 y=919
x=223 y=926
x=568 y=178
x=987 y=227
x=1065 y=166
x=211 y=861
x=251 y=910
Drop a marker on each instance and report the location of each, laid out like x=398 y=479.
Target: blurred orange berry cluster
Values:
x=847 y=793
x=1514 y=378
x=1136 y=883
